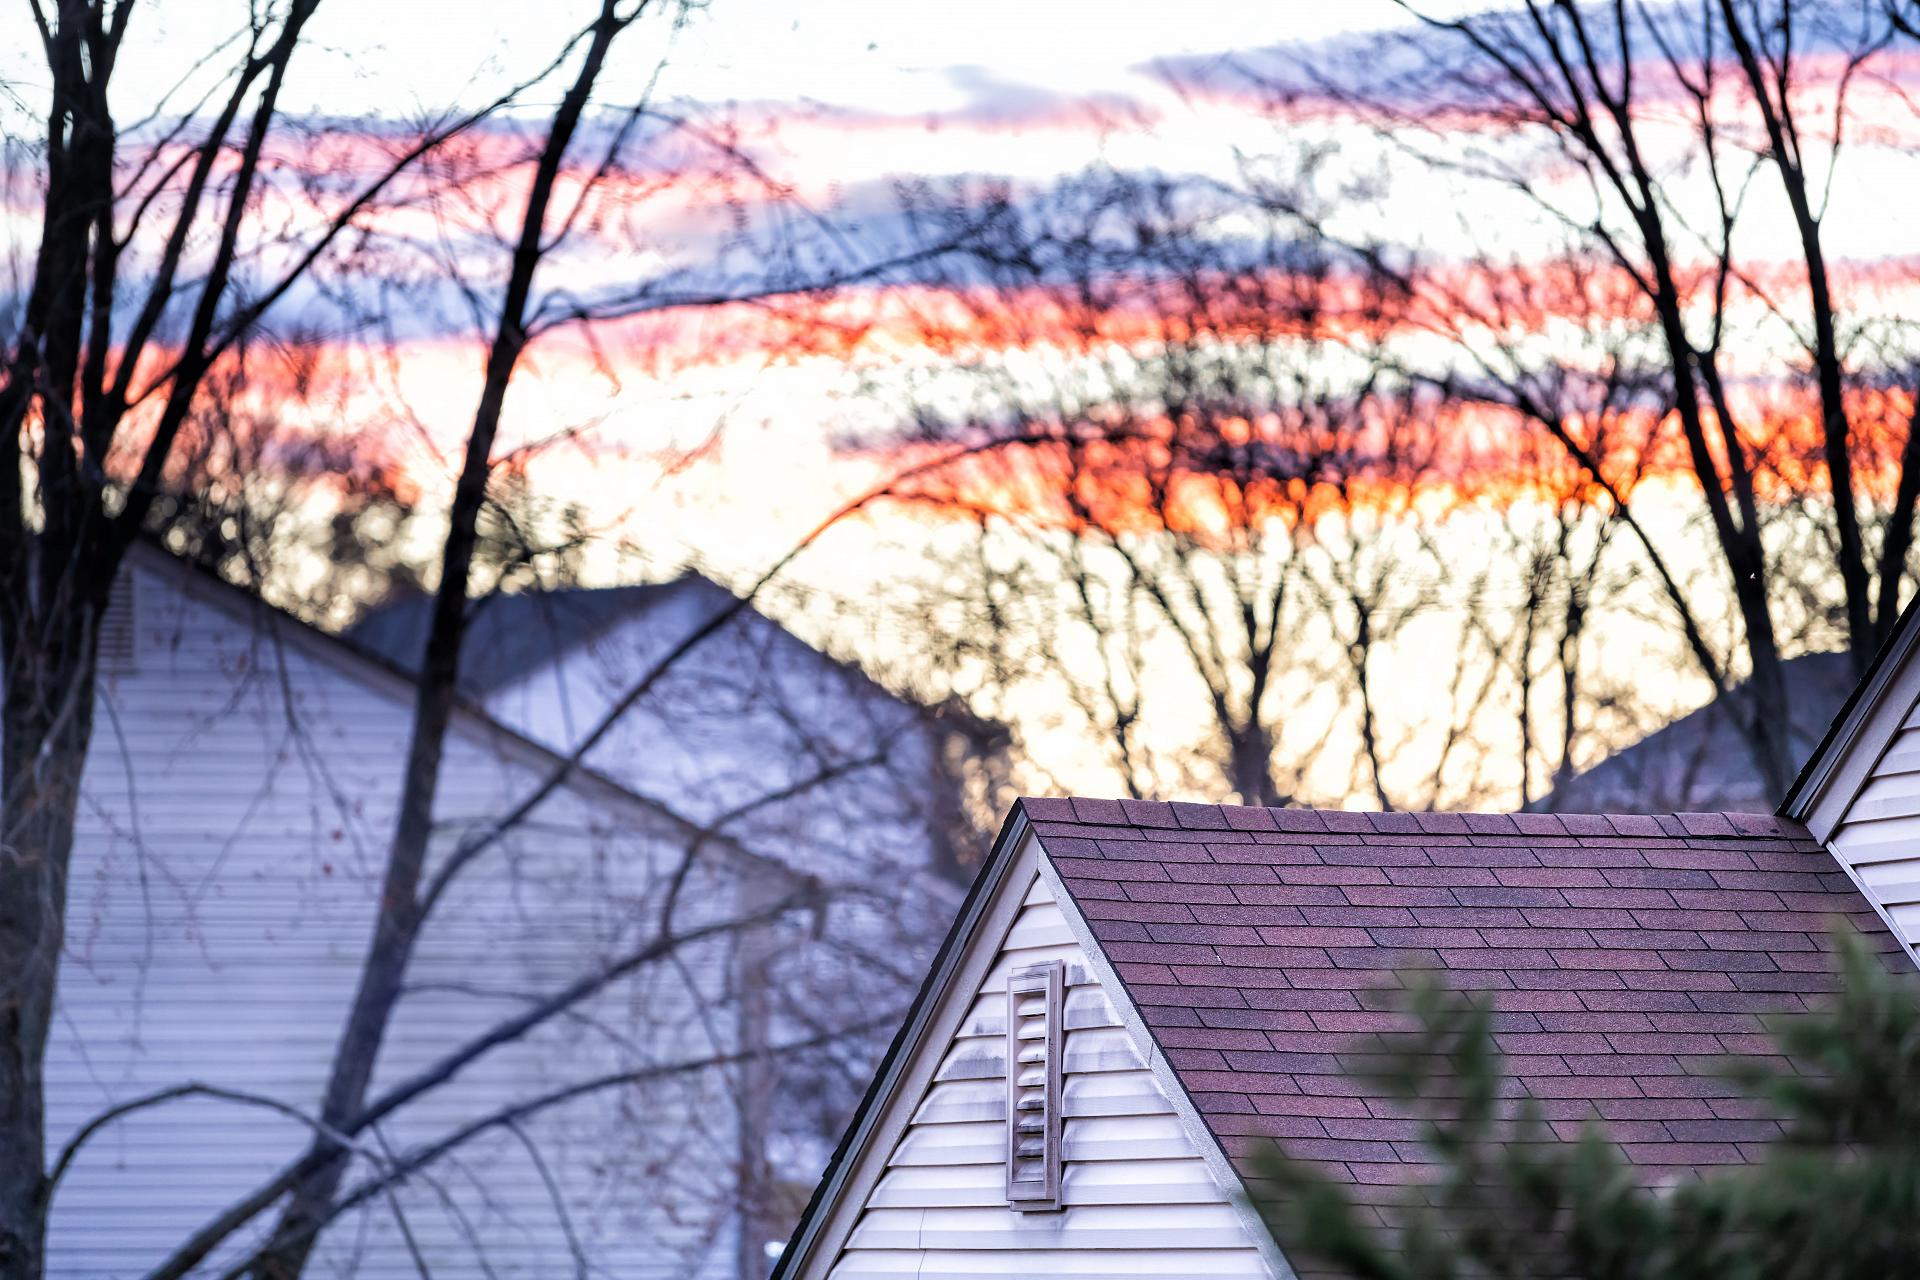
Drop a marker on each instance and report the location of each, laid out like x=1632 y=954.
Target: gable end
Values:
x=919 y=1189
x=906 y=1070
x=1202 y=1138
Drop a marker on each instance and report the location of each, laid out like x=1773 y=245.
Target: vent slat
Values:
x=118 y=629
x=1034 y=1032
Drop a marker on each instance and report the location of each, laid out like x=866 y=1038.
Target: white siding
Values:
x=1878 y=837
x=753 y=712
x=237 y=807
x=1140 y=1201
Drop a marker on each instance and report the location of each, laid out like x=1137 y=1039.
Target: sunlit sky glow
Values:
x=840 y=98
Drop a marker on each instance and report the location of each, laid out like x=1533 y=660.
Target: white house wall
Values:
x=1139 y=1198
x=1878 y=834
x=753 y=715
x=237 y=807
x=750 y=712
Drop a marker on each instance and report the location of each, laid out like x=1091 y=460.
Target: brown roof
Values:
x=1623 y=954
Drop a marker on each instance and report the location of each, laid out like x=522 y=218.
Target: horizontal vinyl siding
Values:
x=1879 y=836
x=752 y=711
x=1139 y=1200
x=224 y=880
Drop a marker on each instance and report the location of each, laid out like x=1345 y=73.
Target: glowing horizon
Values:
x=791 y=404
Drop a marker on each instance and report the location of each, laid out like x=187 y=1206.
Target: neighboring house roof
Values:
x=346 y=653
x=514 y=639
x=1702 y=761
x=1623 y=955
x=512 y=633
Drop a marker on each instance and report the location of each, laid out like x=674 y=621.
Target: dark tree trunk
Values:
x=1251 y=765
x=45 y=726
x=310 y=1202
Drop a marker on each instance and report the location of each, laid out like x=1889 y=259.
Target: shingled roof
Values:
x=1624 y=956
x=514 y=633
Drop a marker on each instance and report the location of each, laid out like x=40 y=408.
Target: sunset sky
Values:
x=996 y=59
x=838 y=99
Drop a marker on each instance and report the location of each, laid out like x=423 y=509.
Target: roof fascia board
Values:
x=1873 y=900
x=331 y=650
x=1202 y=1137
x=1862 y=735
x=964 y=960
x=1836 y=767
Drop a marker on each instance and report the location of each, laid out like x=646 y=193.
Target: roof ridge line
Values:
x=1186 y=816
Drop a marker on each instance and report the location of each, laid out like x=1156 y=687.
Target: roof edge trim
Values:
x=1817 y=776
x=1204 y=1141
x=471 y=720
x=1016 y=834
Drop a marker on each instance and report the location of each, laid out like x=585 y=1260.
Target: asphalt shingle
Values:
x=1624 y=956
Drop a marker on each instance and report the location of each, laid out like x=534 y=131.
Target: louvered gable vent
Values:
x=1035 y=1040
x=118 y=628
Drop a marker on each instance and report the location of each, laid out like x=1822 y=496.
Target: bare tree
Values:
x=318 y=524
x=153 y=278
x=1650 y=142
x=148 y=272
x=403 y=904
x=1204 y=479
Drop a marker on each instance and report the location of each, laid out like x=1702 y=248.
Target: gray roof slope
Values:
x=364 y=662
x=510 y=634
x=513 y=633
x=1701 y=762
